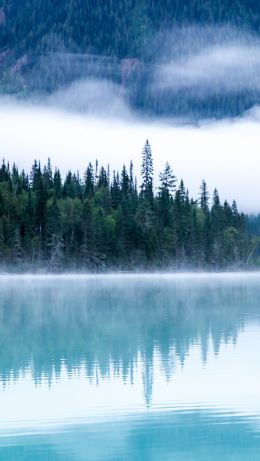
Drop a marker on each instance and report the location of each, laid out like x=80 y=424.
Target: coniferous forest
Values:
x=105 y=221
x=46 y=45
x=120 y=29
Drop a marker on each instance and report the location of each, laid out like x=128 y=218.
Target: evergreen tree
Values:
x=167 y=180
x=125 y=182
x=68 y=223
x=57 y=183
x=147 y=173
x=204 y=197
x=40 y=210
x=89 y=181
x=115 y=190
x=102 y=179
x=166 y=188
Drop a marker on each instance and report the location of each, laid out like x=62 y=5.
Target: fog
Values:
x=214 y=69
x=209 y=61
x=98 y=97
x=94 y=117
x=224 y=153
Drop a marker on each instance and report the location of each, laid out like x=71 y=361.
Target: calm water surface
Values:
x=130 y=368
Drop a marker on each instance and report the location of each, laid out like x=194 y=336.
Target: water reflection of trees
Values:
x=108 y=324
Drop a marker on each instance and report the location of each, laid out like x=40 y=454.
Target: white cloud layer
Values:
x=213 y=69
x=101 y=97
x=209 y=61
x=225 y=154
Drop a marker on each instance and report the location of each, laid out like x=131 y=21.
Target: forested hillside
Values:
x=107 y=27
x=105 y=221
x=47 y=44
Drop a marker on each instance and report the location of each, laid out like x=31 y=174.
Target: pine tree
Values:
x=147 y=174
x=125 y=182
x=89 y=181
x=47 y=175
x=88 y=248
x=40 y=209
x=204 y=197
x=57 y=183
x=35 y=175
x=167 y=180
x=166 y=189
x=102 y=179
x=4 y=172
x=115 y=190
x=217 y=217
x=131 y=177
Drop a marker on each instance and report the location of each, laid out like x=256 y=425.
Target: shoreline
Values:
x=132 y=275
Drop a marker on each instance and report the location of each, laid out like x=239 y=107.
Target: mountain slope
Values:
x=118 y=28
x=46 y=44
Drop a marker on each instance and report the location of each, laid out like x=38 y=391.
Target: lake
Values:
x=130 y=367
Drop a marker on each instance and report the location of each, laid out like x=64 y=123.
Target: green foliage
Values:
x=147 y=173
x=110 y=28
x=100 y=223
x=46 y=44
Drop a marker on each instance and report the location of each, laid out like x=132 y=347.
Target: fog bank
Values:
x=209 y=61
x=225 y=154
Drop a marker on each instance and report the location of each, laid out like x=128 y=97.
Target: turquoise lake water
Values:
x=130 y=367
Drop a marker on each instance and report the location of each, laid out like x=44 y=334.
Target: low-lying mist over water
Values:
x=162 y=365
x=105 y=322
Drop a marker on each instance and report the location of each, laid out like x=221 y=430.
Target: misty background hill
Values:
x=163 y=58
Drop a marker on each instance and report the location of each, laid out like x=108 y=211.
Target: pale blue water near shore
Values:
x=130 y=367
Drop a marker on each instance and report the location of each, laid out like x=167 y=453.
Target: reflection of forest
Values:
x=110 y=322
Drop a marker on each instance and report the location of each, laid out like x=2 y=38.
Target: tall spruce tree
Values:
x=147 y=173
x=204 y=197
x=167 y=180
x=166 y=189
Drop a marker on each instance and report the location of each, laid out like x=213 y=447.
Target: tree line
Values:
x=104 y=221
